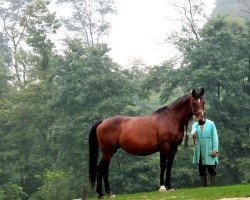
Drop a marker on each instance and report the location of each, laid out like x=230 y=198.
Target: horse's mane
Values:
x=180 y=100
x=160 y=110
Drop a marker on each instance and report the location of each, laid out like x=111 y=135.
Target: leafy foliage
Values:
x=45 y=120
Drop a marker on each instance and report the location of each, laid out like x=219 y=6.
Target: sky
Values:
x=140 y=28
x=139 y=31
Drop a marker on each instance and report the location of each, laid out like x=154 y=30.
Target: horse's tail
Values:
x=93 y=154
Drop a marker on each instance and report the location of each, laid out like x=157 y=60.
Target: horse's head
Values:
x=197 y=104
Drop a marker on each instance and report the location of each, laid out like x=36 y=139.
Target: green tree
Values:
x=219 y=62
x=90 y=19
x=11 y=15
x=4 y=78
x=57 y=185
x=5 y=50
x=27 y=22
x=91 y=87
x=11 y=191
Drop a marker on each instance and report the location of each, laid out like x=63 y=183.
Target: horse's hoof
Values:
x=101 y=197
x=171 y=190
x=112 y=195
x=162 y=189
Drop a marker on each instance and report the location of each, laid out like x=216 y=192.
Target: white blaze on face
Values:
x=199 y=101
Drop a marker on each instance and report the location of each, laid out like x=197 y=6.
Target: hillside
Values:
x=232 y=7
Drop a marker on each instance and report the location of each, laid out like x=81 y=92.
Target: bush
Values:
x=57 y=185
x=11 y=191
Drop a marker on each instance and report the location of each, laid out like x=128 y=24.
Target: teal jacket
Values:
x=206 y=142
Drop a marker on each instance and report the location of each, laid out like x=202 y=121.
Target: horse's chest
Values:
x=179 y=138
x=171 y=136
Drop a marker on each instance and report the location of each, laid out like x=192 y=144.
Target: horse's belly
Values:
x=141 y=148
x=140 y=152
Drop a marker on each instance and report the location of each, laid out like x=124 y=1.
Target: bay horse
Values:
x=161 y=131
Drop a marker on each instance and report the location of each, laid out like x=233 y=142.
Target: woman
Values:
x=206 y=149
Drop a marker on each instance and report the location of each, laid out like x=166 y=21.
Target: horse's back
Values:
x=111 y=128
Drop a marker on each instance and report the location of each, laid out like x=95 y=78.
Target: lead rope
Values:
x=186 y=136
x=192 y=109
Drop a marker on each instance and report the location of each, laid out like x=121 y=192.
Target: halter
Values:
x=192 y=109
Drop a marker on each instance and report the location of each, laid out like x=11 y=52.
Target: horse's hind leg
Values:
x=99 y=178
x=106 y=180
x=106 y=162
x=103 y=171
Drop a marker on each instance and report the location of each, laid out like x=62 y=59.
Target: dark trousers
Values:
x=202 y=169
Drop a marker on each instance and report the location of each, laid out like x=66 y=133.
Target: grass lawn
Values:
x=218 y=192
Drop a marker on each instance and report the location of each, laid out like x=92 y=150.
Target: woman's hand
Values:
x=214 y=153
x=194 y=137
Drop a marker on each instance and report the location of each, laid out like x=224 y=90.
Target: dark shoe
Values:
x=204 y=181
x=169 y=187
x=213 y=180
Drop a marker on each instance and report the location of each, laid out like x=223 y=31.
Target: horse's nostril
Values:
x=201 y=121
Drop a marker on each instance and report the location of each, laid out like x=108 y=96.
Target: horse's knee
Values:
x=163 y=165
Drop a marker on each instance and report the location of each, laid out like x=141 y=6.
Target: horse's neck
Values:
x=181 y=111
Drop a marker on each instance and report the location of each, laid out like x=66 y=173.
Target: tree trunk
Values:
x=218 y=91
x=248 y=81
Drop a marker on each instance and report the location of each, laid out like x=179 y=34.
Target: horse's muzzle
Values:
x=202 y=121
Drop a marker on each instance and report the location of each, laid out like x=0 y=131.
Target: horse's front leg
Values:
x=163 y=164
x=168 y=173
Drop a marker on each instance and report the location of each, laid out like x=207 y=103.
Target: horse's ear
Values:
x=193 y=93
x=202 y=92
